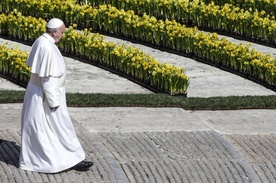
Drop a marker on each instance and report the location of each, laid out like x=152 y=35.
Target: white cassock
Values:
x=49 y=143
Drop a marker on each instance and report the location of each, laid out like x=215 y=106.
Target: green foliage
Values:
x=155 y=100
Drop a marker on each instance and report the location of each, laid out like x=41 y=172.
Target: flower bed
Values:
x=266 y=7
x=235 y=17
x=12 y=63
x=167 y=34
x=93 y=48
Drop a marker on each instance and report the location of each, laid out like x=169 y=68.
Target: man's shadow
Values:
x=9 y=152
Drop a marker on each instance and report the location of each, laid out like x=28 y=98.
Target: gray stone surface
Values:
x=175 y=156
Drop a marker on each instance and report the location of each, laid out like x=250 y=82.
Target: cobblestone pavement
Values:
x=177 y=156
x=202 y=149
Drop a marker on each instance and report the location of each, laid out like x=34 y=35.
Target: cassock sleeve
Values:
x=51 y=90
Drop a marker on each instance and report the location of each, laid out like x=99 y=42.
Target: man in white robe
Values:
x=49 y=143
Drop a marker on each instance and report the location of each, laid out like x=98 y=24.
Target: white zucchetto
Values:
x=54 y=23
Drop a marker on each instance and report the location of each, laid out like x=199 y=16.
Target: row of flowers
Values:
x=173 y=35
x=23 y=28
x=93 y=48
x=166 y=7
x=12 y=63
x=225 y=17
x=254 y=5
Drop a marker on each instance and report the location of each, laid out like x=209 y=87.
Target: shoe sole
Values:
x=82 y=170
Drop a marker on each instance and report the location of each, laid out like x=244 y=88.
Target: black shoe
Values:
x=82 y=166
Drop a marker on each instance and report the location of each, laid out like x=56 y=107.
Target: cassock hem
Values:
x=51 y=170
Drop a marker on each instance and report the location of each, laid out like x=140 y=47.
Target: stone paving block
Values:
x=195 y=156
x=259 y=151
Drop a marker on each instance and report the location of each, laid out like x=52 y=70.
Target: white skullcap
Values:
x=54 y=23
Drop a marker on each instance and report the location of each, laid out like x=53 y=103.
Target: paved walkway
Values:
x=157 y=144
